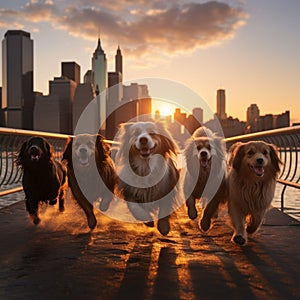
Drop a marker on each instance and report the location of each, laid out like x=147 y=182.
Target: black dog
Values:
x=88 y=156
x=43 y=176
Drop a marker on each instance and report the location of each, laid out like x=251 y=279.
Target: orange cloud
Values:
x=167 y=27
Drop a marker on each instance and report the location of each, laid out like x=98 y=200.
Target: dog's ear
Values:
x=168 y=144
x=275 y=160
x=103 y=148
x=192 y=161
x=67 y=155
x=237 y=155
x=218 y=145
x=48 y=148
x=21 y=155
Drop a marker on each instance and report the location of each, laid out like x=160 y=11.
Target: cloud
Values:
x=140 y=27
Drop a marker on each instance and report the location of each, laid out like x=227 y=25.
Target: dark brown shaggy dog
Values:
x=254 y=168
x=43 y=176
x=148 y=175
x=91 y=173
x=205 y=156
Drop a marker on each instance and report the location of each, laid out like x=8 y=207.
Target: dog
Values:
x=205 y=175
x=147 y=170
x=87 y=156
x=44 y=177
x=253 y=169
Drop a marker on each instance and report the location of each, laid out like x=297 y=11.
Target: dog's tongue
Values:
x=259 y=171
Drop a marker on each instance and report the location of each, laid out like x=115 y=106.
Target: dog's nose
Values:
x=260 y=161
x=143 y=140
x=203 y=154
x=82 y=151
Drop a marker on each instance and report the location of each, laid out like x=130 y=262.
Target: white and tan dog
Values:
x=147 y=170
x=205 y=157
x=254 y=168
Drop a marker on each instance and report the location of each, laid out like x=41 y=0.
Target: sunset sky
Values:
x=249 y=48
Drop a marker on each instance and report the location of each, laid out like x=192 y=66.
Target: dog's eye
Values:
x=265 y=152
x=199 y=147
x=250 y=152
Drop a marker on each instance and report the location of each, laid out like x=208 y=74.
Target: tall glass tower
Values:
x=17 y=79
x=99 y=69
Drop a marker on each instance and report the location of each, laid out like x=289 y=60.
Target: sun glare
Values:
x=166 y=110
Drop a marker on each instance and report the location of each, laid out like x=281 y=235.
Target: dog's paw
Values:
x=238 y=239
x=92 y=222
x=36 y=220
x=149 y=224
x=163 y=226
x=104 y=204
x=192 y=212
x=205 y=224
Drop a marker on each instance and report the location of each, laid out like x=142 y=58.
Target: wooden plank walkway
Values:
x=62 y=259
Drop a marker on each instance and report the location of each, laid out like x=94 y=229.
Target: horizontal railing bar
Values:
x=273 y=132
x=289 y=183
x=11 y=191
x=4 y=130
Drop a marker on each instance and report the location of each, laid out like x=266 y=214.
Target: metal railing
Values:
x=11 y=141
x=287 y=141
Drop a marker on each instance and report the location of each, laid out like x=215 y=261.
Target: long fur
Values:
x=146 y=165
x=254 y=168
x=88 y=157
x=205 y=157
x=43 y=177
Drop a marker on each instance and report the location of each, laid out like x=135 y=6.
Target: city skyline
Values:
x=255 y=59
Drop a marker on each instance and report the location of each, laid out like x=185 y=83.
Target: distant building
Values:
x=119 y=61
x=88 y=77
x=84 y=94
x=47 y=113
x=282 y=120
x=99 y=68
x=17 y=79
x=221 y=104
x=64 y=88
x=71 y=70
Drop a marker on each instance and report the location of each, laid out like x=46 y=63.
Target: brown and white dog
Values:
x=91 y=173
x=254 y=168
x=204 y=178
x=147 y=170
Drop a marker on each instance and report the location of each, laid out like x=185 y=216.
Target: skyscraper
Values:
x=71 y=70
x=99 y=68
x=221 y=101
x=17 y=79
x=252 y=113
x=119 y=61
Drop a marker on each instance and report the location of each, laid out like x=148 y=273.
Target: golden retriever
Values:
x=147 y=172
x=204 y=178
x=88 y=156
x=254 y=168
